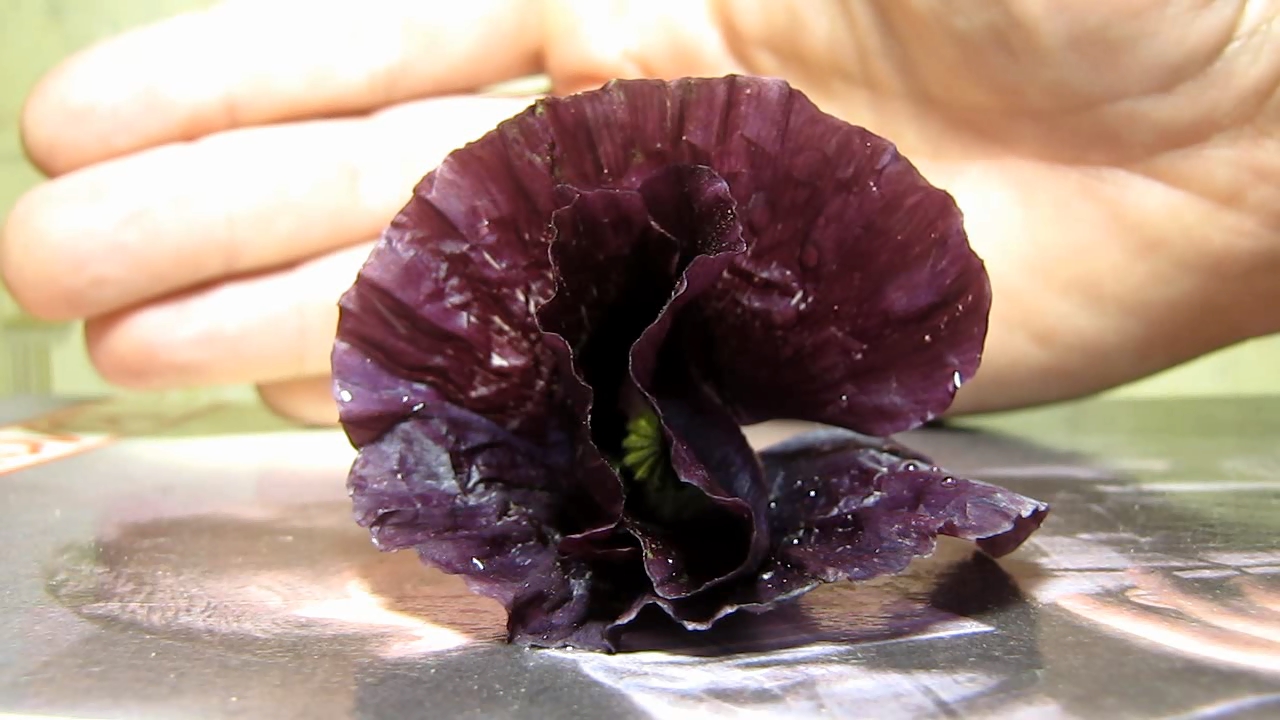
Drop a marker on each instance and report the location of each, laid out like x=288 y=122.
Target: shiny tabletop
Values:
x=169 y=561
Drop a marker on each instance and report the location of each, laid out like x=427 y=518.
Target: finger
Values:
x=254 y=62
x=273 y=326
x=126 y=230
x=305 y=400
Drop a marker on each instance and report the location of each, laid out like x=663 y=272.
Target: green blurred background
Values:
x=43 y=358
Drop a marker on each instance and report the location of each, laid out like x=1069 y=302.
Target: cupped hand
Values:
x=218 y=177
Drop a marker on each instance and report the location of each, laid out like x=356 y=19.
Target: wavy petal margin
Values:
x=714 y=252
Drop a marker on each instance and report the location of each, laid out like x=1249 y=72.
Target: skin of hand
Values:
x=217 y=178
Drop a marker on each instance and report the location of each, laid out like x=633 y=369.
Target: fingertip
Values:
x=9 y=277
x=53 y=253
x=35 y=285
x=36 y=122
x=123 y=357
x=241 y=64
x=263 y=328
x=127 y=353
x=89 y=107
x=304 y=400
x=149 y=85
x=169 y=343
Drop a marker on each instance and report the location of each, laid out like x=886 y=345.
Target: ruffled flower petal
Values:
x=546 y=359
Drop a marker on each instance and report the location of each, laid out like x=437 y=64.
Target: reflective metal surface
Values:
x=150 y=574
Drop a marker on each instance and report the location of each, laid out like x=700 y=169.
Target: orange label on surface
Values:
x=21 y=448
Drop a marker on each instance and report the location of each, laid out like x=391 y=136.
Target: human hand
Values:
x=1117 y=165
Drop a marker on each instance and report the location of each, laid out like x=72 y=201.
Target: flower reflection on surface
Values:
x=259 y=575
x=1243 y=630
x=305 y=582
x=308 y=573
x=362 y=607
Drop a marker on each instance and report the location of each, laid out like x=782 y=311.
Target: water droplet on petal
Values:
x=948 y=481
x=478 y=563
x=344 y=395
x=910 y=467
x=813 y=493
x=957 y=379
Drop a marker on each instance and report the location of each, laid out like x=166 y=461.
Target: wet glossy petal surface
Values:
x=705 y=252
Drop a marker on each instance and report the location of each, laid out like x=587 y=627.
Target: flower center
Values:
x=645 y=454
x=646 y=468
x=620 y=258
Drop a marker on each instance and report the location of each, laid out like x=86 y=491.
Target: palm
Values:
x=1092 y=148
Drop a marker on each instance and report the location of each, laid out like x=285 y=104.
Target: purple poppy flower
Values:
x=546 y=361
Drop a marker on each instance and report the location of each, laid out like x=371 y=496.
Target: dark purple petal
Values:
x=370 y=398
x=475 y=501
x=712 y=252
x=614 y=271
x=593 y=495
x=446 y=298
x=858 y=271
x=851 y=507
x=708 y=450
x=847 y=510
x=729 y=535
x=626 y=264
x=860 y=303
